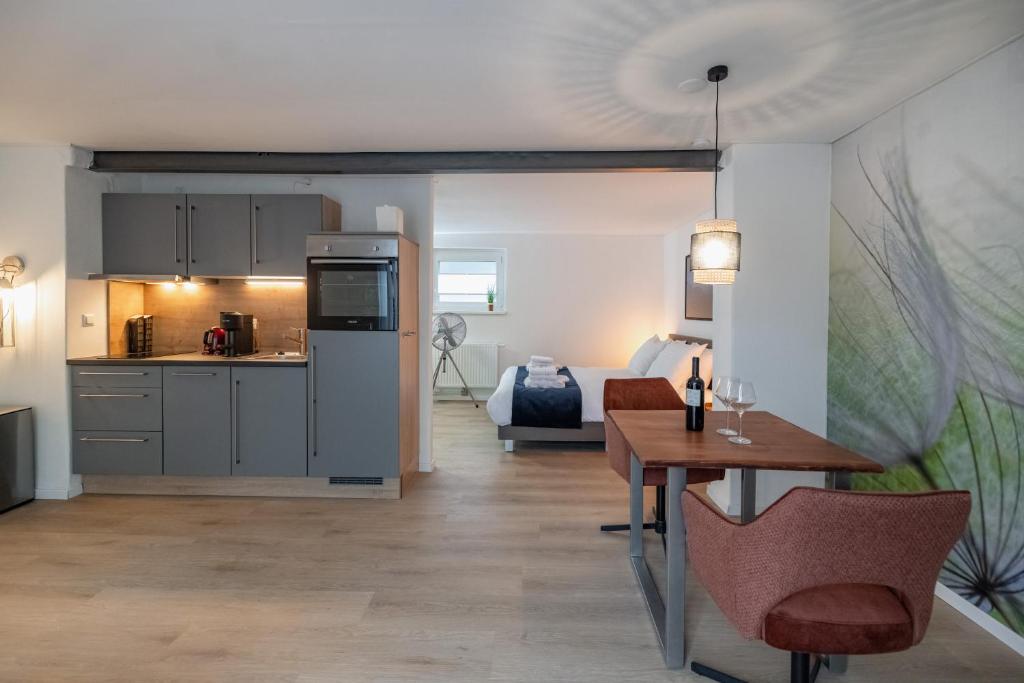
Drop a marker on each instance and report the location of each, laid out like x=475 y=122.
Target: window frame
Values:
x=483 y=254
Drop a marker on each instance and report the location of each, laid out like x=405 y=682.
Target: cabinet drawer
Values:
x=117 y=408
x=115 y=376
x=117 y=453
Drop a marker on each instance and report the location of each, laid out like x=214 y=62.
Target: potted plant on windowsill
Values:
x=490 y=298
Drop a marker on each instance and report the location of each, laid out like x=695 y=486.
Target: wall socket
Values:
x=88 y=319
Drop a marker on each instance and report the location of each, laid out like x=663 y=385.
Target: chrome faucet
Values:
x=301 y=339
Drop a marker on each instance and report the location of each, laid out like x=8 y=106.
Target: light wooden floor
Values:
x=491 y=570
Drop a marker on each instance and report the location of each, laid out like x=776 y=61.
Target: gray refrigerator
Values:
x=17 y=457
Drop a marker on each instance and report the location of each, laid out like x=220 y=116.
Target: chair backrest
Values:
x=638 y=393
x=814 y=537
x=641 y=393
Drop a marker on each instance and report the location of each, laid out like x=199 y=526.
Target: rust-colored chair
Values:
x=824 y=572
x=644 y=393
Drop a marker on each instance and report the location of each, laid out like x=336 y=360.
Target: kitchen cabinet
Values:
x=353 y=414
x=117 y=418
x=212 y=235
x=144 y=234
x=268 y=422
x=197 y=421
x=364 y=392
x=217 y=240
x=280 y=223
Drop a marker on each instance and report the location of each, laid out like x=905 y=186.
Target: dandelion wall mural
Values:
x=926 y=323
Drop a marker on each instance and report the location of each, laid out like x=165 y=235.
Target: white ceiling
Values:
x=591 y=203
x=348 y=75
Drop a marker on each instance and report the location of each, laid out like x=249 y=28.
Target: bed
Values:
x=591 y=383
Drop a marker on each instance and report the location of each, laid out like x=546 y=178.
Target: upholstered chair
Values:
x=824 y=572
x=644 y=393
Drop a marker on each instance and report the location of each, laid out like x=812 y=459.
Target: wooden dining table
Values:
x=658 y=438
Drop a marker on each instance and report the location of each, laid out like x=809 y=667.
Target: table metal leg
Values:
x=748 y=495
x=841 y=481
x=668 y=622
x=675 y=646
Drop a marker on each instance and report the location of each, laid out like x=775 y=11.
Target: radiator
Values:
x=478 y=363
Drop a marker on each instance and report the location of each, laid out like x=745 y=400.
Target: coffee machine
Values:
x=239 y=336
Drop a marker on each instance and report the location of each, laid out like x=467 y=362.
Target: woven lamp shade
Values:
x=715 y=252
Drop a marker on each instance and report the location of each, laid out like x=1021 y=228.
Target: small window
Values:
x=463 y=278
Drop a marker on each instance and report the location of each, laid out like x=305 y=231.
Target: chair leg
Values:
x=623 y=527
x=800 y=669
x=713 y=674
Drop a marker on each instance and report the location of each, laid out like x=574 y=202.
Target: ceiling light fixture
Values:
x=715 y=246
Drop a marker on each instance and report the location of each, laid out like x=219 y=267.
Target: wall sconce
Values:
x=10 y=267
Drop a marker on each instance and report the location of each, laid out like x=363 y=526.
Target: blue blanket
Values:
x=560 y=408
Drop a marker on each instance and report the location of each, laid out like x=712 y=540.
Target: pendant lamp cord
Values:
x=716 y=149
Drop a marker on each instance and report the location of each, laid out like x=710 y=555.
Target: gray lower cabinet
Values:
x=353 y=432
x=280 y=224
x=269 y=422
x=197 y=420
x=116 y=452
x=218 y=235
x=144 y=234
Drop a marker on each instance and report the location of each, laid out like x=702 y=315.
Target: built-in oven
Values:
x=351 y=283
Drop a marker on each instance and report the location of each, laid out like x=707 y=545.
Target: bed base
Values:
x=590 y=432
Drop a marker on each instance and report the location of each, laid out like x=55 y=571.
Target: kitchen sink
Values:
x=281 y=355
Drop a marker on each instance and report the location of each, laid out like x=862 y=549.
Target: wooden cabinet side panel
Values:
x=408 y=356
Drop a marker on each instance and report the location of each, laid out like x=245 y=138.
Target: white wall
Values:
x=84 y=190
x=359 y=197
x=33 y=373
x=584 y=299
x=771 y=327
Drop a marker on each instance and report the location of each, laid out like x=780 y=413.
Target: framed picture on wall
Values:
x=697 y=298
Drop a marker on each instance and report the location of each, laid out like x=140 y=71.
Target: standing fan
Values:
x=449 y=331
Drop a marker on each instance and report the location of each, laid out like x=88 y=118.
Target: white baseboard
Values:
x=75 y=486
x=1012 y=640
x=52 y=494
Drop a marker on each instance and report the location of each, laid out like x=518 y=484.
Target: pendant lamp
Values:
x=715 y=246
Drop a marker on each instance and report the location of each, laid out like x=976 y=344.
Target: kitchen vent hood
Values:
x=153 y=279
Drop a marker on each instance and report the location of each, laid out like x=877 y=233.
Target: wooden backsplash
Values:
x=181 y=314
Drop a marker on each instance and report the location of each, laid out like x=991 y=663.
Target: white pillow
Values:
x=674 y=363
x=645 y=355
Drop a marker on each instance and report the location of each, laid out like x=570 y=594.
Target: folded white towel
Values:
x=542 y=370
x=557 y=382
x=542 y=360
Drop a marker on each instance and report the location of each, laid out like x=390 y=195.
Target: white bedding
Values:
x=591 y=381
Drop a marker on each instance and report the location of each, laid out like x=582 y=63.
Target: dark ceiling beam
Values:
x=401 y=163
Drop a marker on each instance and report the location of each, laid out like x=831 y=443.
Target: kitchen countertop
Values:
x=196 y=359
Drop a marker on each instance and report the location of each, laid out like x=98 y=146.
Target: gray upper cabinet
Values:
x=218 y=235
x=197 y=421
x=212 y=235
x=280 y=224
x=268 y=422
x=144 y=234
x=353 y=404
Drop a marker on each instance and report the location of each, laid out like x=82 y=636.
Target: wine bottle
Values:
x=695 y=399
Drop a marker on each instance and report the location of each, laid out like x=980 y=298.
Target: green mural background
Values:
x=926 y=321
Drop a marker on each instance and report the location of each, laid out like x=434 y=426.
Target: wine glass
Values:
x=743 y=401
x=724 y=390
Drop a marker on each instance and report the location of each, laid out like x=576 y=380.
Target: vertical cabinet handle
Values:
x=177 y=252
x=191 y=222
x=234 y=440
x=256 y=234
x=316 y=430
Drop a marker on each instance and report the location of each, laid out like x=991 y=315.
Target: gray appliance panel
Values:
x=353 y=413
x=17 y=457
x=351 y=246
x=197 y=421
